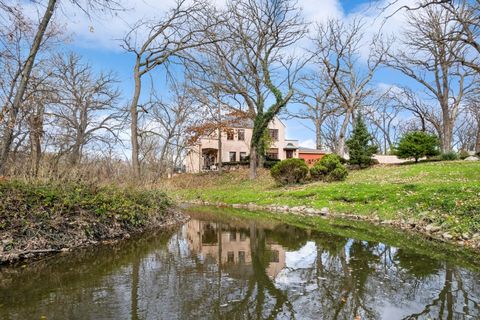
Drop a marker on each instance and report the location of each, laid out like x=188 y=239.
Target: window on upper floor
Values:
x=273 y=134
x=241 y=134
x=230 y=134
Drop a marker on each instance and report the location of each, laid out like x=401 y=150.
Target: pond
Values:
x=222 y=267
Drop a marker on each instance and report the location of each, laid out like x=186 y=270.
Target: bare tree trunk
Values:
x=318 y=134
x=477 y=142
x=36 y=130
x=447 y=134
x=342 y=134
x=219 y=150
x=75 y=155
x=253 y=162
x=27 y=69
x=134 y=120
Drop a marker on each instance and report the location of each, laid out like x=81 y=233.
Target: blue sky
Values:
x=96 y=39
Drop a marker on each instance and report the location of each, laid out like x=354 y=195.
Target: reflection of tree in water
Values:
x=454 y=300
x=344 y=279
x=287 y=236
x=262 y=299
x=347 y=278
x=420 y=266
x=351 y=277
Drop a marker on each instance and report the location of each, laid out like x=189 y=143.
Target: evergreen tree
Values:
x=360 y=146
x=417 y=144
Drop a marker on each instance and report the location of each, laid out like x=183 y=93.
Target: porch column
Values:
x=199 y=158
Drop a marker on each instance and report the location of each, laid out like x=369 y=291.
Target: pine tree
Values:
x=360 y=146
x=416 y=145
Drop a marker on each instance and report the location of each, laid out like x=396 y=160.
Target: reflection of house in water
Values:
x=233 y=246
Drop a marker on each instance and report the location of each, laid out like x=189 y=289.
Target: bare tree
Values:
x=157 y=43
x=432 y=62
x=465 y=13
x=84 y=109
x=316 y=94
x=383 y=115
x=40 y=92
x=20 y=83
x=166 y=126
x=473 y=114
x=212 y=110
x=338 y=46
x=251 y=65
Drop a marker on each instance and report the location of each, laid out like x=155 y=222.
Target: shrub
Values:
x=449 y=156
x=417 y=144
x=270 y=163
x=289 y=171
x=318 y=171
x=329 y=168
x=330 y=161
x=463 y=154
x=339 y=174
x=360 y=146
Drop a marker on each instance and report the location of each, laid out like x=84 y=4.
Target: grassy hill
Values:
x=442 y=193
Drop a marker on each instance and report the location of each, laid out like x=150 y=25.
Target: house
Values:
x=235 y=146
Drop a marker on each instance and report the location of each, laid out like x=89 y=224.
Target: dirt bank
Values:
x=38 y=219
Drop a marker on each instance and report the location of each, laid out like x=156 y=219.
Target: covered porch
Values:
x=209 y=159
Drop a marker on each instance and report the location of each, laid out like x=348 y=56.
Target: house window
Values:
x=273 y=134
x=241 y=134
x=233 y=156
x=272 y=154
x=241 y=257
x=230 y=134
x=230 y=257
x=243 y=236
x=233 y=236
x=243 y=156
x=275 y=256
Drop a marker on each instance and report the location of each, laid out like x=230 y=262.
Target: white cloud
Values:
x=309 y=143
x=320 y=11
x=103 y=31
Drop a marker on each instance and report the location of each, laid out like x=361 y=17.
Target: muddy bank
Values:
x=38 y=219
x=73 y=233
x=425 y=228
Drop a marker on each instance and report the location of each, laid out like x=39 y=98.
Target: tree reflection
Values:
x=243 y=270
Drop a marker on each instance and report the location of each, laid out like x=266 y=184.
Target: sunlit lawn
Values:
x=446 y=193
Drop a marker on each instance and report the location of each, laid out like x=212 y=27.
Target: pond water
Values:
x=232 y=268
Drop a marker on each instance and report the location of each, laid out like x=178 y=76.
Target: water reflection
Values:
x=243 y=270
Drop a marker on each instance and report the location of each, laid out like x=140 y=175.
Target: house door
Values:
x=289 y=154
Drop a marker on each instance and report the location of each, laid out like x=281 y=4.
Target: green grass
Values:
x=445 y=193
